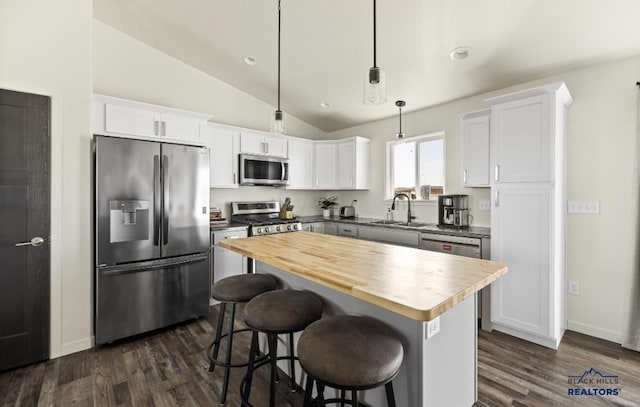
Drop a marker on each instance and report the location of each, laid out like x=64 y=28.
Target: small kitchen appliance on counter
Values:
x=348 y=211
x=453 y=211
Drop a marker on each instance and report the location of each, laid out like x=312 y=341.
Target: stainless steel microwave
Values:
x=263 y=170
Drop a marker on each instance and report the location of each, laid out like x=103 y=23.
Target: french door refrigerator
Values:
x=152 y=235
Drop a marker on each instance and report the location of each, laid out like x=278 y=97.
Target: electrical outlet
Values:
x=585 y=207
x=433 y=327
x=484 y=205
x=574 y=287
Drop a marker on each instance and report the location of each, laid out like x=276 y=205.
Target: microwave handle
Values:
x=283 y=176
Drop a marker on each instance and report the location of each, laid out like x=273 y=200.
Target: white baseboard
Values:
x=75 y=346
x=591 y=330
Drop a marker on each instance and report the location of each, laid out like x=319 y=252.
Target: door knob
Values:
x=36 y=241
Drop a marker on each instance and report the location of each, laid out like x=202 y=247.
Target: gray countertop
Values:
x=472 y=231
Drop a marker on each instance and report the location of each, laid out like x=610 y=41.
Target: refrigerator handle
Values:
x=157 y=209
x=165 y=200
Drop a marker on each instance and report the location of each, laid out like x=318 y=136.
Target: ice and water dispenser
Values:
x=129 y=221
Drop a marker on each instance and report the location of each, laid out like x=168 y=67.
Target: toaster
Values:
x=347 y=212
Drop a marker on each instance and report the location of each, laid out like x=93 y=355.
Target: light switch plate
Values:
x=484 y=205
x=585 y=207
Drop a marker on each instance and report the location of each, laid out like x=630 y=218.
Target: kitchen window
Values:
x=415 y=166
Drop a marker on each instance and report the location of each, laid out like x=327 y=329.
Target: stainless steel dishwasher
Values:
x=478 y=248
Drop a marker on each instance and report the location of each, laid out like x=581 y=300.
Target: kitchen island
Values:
x=427 y=297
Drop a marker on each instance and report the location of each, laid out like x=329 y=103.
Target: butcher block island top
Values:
x=418 y=284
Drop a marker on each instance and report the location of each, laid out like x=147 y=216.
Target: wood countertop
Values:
x=418 y=284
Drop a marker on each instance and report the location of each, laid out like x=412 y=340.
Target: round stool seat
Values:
x=283 y=311
x=349 y=351
x=243 y=287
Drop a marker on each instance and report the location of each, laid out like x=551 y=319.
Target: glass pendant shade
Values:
x=375 y=87
x=278 y=123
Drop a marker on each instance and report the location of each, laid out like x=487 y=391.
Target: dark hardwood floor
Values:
x=169 y=368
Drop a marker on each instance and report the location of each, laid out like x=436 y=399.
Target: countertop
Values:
x=473 y=231
x=418 y=284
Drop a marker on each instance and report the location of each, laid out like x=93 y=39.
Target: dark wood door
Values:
x=24 y=215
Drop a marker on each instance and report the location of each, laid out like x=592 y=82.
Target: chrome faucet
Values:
x=393 y=206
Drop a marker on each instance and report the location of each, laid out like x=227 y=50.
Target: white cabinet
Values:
x=331 y=228
x=317 y=227
x=127 y=118
x=255 y=142
x=474 y=134
x=521 y=139
x=226 y=263
x=528 y=221
x=325 y=165
x=300 y=164
x=224 y=145
x=353 y=163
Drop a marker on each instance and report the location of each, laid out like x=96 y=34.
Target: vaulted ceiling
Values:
x=327 y=46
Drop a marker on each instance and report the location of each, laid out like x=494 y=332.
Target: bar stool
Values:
x=349 y=353
x=274 y=313
x=234 y=290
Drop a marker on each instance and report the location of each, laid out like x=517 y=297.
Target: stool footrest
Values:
x=217 y=362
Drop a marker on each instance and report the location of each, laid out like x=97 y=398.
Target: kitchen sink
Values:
x=397 y=223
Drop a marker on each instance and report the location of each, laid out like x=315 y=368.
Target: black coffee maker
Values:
x=453 y=211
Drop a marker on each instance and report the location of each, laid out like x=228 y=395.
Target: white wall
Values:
x=45 y=49
x=601 y=142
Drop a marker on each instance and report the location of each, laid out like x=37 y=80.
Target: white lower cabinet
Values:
x=522 y=298
x=347 y=229
x=331 y=228
x=226 y=263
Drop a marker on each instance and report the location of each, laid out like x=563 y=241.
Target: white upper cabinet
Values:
x=127 y=118
x=300 y=164
x=224 y=145
x=325 y=165
x=255 y=142
x=353 y=163
x=474 y=134
x=521 y=140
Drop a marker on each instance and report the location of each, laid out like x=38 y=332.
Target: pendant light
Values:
x=278 y=122
x=400 y=104
x=375 y=92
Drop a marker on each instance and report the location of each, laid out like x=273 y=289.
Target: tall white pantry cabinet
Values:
x=528 y=221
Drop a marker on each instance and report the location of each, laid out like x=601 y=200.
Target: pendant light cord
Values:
x=374 y=34
x=279 y=12
x=400 y=120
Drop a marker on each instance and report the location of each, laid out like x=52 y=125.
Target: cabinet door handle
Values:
x=497 y=198
x=317 y=182
x=464 y=176
x=234 y=178
x=496 y=172
x=267 y=147
x=155 y=128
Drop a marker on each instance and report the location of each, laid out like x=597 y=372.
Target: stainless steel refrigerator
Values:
x=152 y=235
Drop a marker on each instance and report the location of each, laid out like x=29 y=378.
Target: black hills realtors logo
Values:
x=593 y=383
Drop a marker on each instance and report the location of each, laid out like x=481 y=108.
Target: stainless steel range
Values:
x=263 y=218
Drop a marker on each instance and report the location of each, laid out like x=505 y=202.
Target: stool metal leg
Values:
x=252 y=358
x=308 y=389
x=292 y=364
x=216 y=341
x=391 y=399
x=354 y=398
x=273 y=358
x=342 y=397
x=225 y=384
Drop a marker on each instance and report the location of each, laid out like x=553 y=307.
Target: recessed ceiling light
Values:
x=324 y=105
x=250 y=61
x=460 y=53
